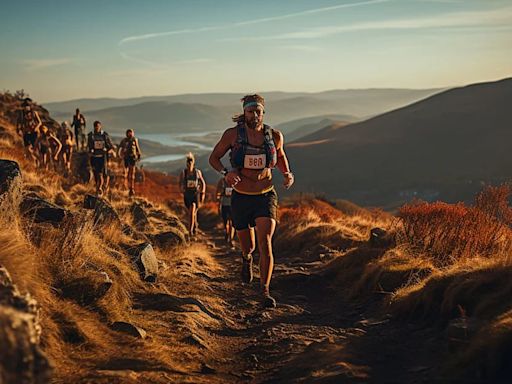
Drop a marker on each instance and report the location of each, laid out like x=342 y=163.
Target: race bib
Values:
x=228 y=191
x=191 y=184
x=255 y=161
x=99 y=144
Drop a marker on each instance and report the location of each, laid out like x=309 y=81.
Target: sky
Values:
x=61 y=50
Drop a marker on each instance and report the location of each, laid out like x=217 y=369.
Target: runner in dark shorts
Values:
x=99 y=145
x=130 y=153
x=255 y=149
x=224 y=195
x=193 y=187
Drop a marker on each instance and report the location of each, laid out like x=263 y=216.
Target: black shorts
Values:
x=225 y=212
x=29 y=139
x=44 y=149
x=246 y=208
x=67 y=149
x=99 y=165
x=190 y=197
x=129 y=161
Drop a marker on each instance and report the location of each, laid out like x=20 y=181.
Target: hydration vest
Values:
x=191 y=180
x=130 y=148
x=245 y=155
x=99 y=144
x=78 y=121
x=28 y=121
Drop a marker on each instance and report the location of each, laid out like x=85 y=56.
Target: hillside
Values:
x=308 y=129
x=293 y=125
x=114 y=291
x=443 y=147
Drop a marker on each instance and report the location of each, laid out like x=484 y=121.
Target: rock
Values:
x=140 y=219
x=195 y=340
x=104 y=213
x=21 y=359
x=168 y=239
x=380 y=238
x=145 y=259
x=42 y=211
x=9 y=175
x=129 y=328
x=88 y=289
x=207 y=370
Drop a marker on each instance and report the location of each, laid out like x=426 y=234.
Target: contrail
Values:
x=248 y=22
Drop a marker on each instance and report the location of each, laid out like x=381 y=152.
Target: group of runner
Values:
x=246 y=193
x=47 y=148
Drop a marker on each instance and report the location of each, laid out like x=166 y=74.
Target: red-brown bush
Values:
x=448 y=232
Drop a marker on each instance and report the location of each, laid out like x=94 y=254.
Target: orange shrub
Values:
x=448 y=232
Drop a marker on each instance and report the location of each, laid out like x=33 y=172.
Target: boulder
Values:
x=104 y=213
x=380 y=238
x=168 y=239
x=42 y=211
x=140 y=219
x=21 y=359
x=143 y=255
x=87 y=290
x=10 y=173
x=129 y=328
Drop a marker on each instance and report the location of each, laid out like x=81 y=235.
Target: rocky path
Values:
x=312 y=335
x=216 y=331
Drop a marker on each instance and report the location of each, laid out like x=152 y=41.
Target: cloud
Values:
x=248 y=22
x=137 y=38
x=491 y=18
x=38 y=64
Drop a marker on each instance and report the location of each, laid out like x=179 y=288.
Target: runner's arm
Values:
x=180 y=182
x=139 y=152
x=201 y=180
x=282 y=160
x=59 y=146
x=203 y=185
x=120 y=150
x=39 y=122
x=220 y=149
x=110 y=145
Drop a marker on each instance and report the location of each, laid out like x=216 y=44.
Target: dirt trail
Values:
x=310 y=337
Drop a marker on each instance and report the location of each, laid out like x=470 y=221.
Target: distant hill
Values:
x=443 y=147
x=206 y=112
x=384 y=97
x=293 y=125
x=159 y=116
x=309 y=129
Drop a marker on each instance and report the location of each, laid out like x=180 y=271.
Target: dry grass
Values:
x=308 y=225
x=450 y=232
x=46 y=261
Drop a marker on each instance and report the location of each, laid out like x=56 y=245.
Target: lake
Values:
x=176 y=141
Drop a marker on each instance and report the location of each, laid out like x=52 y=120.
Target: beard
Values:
x=252 y=123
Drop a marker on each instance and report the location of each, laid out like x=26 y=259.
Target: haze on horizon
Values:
x=59 y=50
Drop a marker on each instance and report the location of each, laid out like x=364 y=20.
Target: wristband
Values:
x=224 y=172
